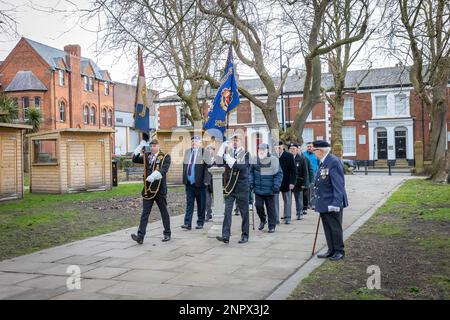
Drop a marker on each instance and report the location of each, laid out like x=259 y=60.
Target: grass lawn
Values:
x=408 y=238
x=41 y=221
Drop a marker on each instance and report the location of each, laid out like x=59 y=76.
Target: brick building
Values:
x=382 y=120
x=70 y=90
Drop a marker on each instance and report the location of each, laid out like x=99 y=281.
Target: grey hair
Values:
x=325 y=149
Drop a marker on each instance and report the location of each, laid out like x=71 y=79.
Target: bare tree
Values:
x=251 y=40
x=8 y=23
x=308 y=26
x=421 y=29
x=344 y=19
x=177 y=39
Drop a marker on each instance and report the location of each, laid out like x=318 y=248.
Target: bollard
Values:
x=389 y=166
x=365 y=167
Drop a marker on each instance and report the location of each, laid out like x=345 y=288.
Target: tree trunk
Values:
x=336 y=124
x=271 y=118
x=439 y=110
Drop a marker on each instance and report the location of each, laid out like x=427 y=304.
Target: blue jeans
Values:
x=193 y=194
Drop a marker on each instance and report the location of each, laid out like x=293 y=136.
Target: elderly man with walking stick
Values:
x=329 y=199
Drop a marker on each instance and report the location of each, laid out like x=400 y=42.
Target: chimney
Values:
x=73 y=49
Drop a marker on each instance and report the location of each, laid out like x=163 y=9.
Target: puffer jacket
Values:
x=265 y=176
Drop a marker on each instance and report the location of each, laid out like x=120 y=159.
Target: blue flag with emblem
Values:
x=141 y=113
x=227 y=98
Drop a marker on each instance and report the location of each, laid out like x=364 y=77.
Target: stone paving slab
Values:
x=190 y=266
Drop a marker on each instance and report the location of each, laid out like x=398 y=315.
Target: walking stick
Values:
x=315 y=238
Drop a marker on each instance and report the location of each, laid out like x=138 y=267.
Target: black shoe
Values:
x=199 y=227
x=271 y=230
x=305 y=211
x=325 y=255
x=236 y=213
x=208 y=218
x=337 y=256
x=186 y=227
x=137 y=238
x=299 y=217
x=243 y=240
x=261 y=225
x=224 y=240
x=166 y=238
x=282 y=218
x=287 y=222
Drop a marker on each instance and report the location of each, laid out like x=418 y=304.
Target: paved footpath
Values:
x=190 y=266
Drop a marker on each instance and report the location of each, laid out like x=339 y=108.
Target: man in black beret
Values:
x=301 y=178
x=287 y=164
x=329 y=199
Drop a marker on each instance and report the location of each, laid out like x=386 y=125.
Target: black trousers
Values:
x=161 y=201
x=239 y=196
x=269 y=201
x=332 y=226
x=195 y=194
x=306 y=193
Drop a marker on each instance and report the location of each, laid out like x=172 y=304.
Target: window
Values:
x=92 y=115
x=349 y=140
x=380 y=106
x=309 y=118
x=232 y=117
x=86 y=115
x=106 y=88
x=348 y=110
x=308 y=135
x=61 y=77
x=37 y=102
x=44 y=151
x=258 y=115
x=62 y=111
x=86 y=83
x=104 y=116
x=91 y=84
x=279 y=115
x=109 y=118
x=183 y=119
x=401 y=104
x=25 y=106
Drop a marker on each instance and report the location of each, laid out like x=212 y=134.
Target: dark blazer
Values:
x=288 y=166
x=163 y=169
x=329 y=185
x=301 y=171
x=200 y=167
x=242 y=165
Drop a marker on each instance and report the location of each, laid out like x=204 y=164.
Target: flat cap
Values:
x=263 y=146
x=320 y=144
x=154 y=141
x=196 y=138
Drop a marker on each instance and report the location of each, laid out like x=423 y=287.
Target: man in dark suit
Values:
x=157 y=164
x=287 y=164
x=329 y=199
x=301 y=181
x=236 y=185
x=194 y=178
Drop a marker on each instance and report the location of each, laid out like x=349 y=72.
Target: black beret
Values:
x=280 y=143
x=293 y=145
x=320 y=144
x=196 y=138
x=154 y=141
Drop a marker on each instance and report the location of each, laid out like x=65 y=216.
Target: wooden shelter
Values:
x=11 y=160
x=70 y=160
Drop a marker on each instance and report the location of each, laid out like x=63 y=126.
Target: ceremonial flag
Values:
x=227 y=98
x=141 y=111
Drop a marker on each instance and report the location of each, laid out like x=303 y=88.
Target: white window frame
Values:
x=391 y=111
x=352 y=108
x=344 y=139
x=104 y=117
x=86 y=114
x=308 y=138
x=62 y=111
x=61 y=77
x=91 y=84
x=37 y=106
x=92 y=115
x=179 y=111
x=232 y=117
x=106 y=88
x=405 y=106
x=86 y=83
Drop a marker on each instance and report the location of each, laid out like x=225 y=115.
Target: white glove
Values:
x=156 y=175
x=333 y=208
x=229 y=160
x=139 y=147
x=222 y=148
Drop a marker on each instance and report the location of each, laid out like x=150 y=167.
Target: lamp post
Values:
x=283 y=120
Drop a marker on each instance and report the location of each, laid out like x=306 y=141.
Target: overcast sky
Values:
x=59 y=29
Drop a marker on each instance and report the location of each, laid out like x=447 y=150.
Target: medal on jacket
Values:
x=324 y=173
